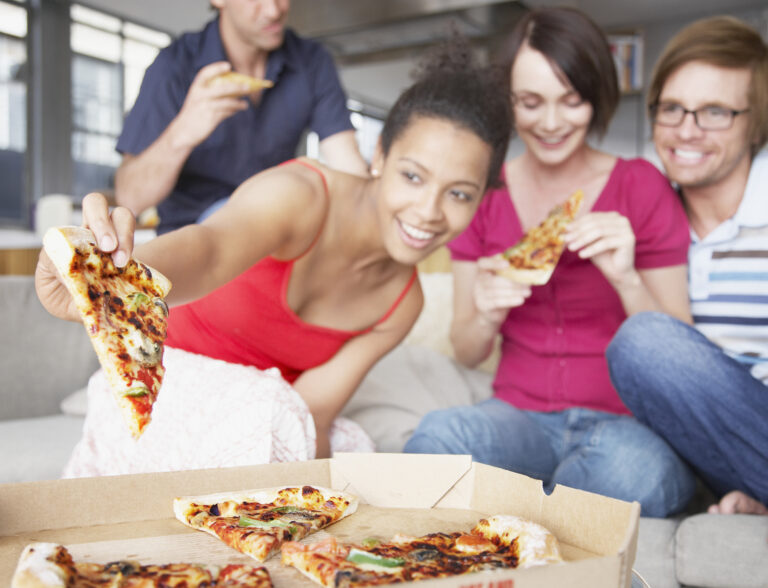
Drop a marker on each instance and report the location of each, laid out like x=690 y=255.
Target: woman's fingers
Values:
x=596 y=228
x=113 y=230
x=97 y=218
x=125 y=226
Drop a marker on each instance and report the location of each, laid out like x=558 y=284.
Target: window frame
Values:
x=121 y=64
x=24 y=220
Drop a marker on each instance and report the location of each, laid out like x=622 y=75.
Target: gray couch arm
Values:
x=42 y=358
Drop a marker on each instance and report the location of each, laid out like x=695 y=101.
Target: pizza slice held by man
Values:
x=534 y=257
x=124 y=312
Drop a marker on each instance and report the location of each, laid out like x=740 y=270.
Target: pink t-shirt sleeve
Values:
x=657 y=216
x=494 y=228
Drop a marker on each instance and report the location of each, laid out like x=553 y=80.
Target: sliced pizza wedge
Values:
x=48 y=565
x=258 y=522
x=534 y=257
x=498 y=542
x=233 y=77
x=124 y=312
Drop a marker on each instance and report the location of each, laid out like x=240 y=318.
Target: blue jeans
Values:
x=608 y=454
x=706 y=405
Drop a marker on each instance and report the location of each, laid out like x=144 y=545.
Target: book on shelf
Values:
x=627 y=53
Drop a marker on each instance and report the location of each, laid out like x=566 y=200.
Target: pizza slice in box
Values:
x=258 y=522
x=48 y=565
x=534 y=257
x=498 y=542
x=123 y=310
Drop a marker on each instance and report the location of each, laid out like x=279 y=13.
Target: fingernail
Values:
x=107 y=243
x=120 y=258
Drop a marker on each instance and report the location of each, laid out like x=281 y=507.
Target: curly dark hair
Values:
x=451 y=86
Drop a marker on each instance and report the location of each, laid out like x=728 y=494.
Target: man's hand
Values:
x=736 y=502
x=206 y=106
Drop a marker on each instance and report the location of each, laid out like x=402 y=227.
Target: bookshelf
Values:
x=628 y=52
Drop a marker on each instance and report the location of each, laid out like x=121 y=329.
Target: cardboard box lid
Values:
x=603 y=529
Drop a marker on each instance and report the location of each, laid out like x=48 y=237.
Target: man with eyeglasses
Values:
x=704 y=389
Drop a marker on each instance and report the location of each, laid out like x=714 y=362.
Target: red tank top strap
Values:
x=397 y=302
x=327 y=198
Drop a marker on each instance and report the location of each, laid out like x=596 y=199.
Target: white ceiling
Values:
x=176 y=16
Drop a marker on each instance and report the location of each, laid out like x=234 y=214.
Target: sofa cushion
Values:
x=44 y=358
x=433 y=327
x=406 y=384
x=76 y=404
x=37 y=448
x=655 y=559
x=727 y=551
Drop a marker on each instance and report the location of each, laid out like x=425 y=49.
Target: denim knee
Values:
x=436 y=433
x=667 y=486
x=640 y=335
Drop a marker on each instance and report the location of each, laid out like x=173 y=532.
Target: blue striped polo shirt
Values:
x=728 y=277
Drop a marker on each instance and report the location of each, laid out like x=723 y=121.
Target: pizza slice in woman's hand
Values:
x=534 y=257
x=123 y=310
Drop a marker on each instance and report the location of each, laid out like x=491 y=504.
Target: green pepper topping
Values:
x=287 y=509
x=363 y=557
x=137 y=299
x=370 y=542
x=245 y=521
x=137 y=392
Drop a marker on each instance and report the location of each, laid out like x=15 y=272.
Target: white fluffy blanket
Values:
x=209 y=413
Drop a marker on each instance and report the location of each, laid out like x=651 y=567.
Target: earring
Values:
x=375 y=172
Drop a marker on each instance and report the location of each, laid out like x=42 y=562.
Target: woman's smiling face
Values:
x=431 y=184
x=551 y=118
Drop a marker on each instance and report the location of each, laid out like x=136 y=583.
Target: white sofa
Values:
x=44 y=361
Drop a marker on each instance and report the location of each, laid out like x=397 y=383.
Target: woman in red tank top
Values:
x=311 y=270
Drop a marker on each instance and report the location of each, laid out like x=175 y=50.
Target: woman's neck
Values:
x=710 y=205
x=353 y=226
x=536 y=187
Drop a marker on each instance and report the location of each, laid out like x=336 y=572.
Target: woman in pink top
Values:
x=311 y=270
x=554 y=414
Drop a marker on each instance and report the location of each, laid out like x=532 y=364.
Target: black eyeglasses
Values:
x=707 y=118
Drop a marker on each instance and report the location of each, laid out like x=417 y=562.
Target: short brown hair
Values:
x=578 y=48
x=722 y=41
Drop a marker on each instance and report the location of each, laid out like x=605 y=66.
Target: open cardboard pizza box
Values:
x=131 y=517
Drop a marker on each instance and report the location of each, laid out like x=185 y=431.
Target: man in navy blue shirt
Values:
x=187 y=145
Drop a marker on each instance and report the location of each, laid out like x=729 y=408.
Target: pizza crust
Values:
x=60 y=244
x=531 y=277
x=233 y=77
x=35 y=570
x=536 y=544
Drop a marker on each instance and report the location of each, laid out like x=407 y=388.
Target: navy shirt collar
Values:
x=213 y=50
